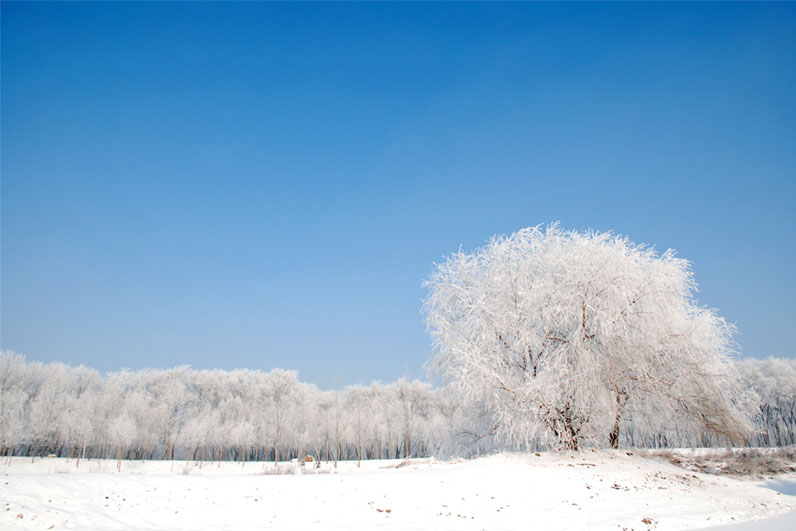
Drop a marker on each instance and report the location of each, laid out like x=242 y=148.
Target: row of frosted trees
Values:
x=771 y=386
x=249 y=415
x=208 y=415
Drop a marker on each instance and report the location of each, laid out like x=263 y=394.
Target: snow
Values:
x=581 y=490
x=786 y=522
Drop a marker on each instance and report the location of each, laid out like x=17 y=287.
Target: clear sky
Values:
x=267 y=185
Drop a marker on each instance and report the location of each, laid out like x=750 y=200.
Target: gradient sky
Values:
x=267 y=185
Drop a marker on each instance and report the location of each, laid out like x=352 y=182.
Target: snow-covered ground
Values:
x=586 y=490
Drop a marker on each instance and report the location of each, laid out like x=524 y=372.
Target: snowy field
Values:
x=586 y=490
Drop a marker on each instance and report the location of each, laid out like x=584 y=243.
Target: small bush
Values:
x=316 y=471
x=282 y=469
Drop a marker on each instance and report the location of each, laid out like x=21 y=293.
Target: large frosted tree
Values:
x=563 y=336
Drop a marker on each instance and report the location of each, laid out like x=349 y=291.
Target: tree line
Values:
x=208 y=415
x=249 y=415
x=771 y=390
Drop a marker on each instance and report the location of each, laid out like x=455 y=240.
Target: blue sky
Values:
x=267 y=185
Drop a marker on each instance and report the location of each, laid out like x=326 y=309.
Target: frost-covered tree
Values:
x=77 y=407
x=413 y=405
x=558 y=334
x=358 y=418
x=386 y=413
x=325 y=428
x=122 y=431
x=305 y=420
x=280 y=391
x=170 y=397
x=13 y=397
x=464 y=427
x=772 y=391
x=48 y=416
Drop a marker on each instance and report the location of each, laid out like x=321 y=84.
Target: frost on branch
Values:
x=566 y=337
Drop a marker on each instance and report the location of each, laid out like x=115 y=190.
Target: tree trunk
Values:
x=336 y=439
x=82 y=452
x=621 y=400
x=613 y=437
